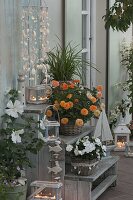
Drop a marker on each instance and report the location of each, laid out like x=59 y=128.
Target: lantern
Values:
x=52 y=130
x=45 y=190
x=51 y=126
x=38 y=94
x=121 y=136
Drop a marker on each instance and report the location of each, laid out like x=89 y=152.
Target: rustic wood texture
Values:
x=103 y=176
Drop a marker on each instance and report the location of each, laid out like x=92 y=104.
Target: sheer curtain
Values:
x=9 y=46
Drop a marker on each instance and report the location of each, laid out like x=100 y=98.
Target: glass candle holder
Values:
x=38 y=94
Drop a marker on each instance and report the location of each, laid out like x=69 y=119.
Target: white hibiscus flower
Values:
x=16 y=136
x=13 y=109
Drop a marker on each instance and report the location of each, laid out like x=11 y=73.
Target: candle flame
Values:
x=44 y=197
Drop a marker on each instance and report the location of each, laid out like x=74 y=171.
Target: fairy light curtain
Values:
x=34 y=43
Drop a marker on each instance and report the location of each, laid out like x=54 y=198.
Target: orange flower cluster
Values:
x=76 y=105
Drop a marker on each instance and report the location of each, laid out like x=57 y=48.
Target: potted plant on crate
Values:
x=85 y=154
x=18 y=136
x=76 y=105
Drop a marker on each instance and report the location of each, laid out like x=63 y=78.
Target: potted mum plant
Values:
x=76 y=104
x=17 y=138
x=85 y=154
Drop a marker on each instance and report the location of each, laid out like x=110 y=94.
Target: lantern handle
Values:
x=55 y=110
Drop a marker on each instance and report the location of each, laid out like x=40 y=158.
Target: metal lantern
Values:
x=51 y=126
x=38 y=94
x=45 y=190
x=52 y=130
x=122 y=133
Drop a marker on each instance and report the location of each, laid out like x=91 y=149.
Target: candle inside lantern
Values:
x=120 y=144
x=32 y=98
x=42 y=98
x=38 y=197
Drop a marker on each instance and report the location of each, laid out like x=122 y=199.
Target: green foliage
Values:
x=14 y=155
x=66 y=62
x=118 y=109
x=127 y=62
x=120 y=15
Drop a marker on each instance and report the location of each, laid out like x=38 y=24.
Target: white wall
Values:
x=100 y=44
x=55 y=21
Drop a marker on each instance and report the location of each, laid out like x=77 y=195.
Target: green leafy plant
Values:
x=120 y=15
x=119 y=109
x=66 y=62
x=127 y=62
x=18 y=136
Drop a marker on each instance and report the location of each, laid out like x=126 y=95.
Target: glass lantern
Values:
x=38 y=94
x=122 y=133
x=45 y=190
x=52 y=130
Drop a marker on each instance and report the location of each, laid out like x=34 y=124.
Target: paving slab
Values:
x=124 y=187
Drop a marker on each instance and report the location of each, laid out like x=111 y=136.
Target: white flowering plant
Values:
x=18 y=137
x=87 y=148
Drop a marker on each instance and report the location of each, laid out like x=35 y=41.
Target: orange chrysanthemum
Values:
x=93 y=108
x=55 y=83
x=71 y=104
x=76 y=81
x=69 y=96
x=79 y=122
x=71 y=86
x=93 y=99
x=64 y=121
x=67 y=106
x=99 y=95
x=64 y=86
x=84 y=112
x=62 y=103
x=99 y=88
x=97 y=113
x=49 y=113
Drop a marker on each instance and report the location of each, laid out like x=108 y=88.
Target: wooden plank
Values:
x=103 y=186
x=71 y=190
x=84 y=190
x=102 y=167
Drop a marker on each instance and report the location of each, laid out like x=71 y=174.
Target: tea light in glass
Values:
x=50 y=190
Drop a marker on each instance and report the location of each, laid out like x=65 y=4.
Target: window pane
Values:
x=84 y=4
x=84 y=58
x=84 y=31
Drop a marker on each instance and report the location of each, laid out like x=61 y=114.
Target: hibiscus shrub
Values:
x=76 y=104
x=88 y=148
x=18 y=136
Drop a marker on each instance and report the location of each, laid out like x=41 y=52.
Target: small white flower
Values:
x=86 y=143
x=16 y=136
x=76 y=152
x=69 y=148
x=98 y=142
x=13 y=109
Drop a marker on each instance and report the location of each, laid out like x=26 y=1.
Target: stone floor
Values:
x=124 y=187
